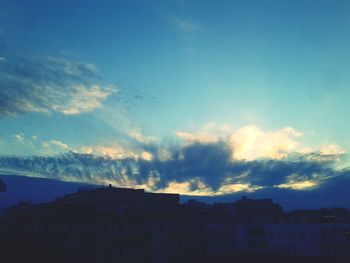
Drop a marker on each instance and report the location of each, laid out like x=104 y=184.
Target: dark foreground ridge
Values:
x=130 y=225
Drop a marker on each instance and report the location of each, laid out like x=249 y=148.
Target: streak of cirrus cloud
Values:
x=46 y=84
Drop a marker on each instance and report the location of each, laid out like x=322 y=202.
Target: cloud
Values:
x=197 y=137
x=187 y=26
x=55 y=143
x=142 y=138
x=131 y=145
x=19 y=137
x=117 y=152
x=193 y=169
x=331 y=149
x=210 y=132
x=300 y=185
x=187 y=29
x=300 y=182
x=82 y=99
x=212 y=161
x=41 y=84
x=24 y=139
x=251 y=143
x=26 y=144
x=187 y=187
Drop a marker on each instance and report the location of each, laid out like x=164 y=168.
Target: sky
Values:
x=195 y=97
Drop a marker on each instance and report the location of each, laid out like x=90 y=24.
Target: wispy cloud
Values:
x=116 y=151
x=210 y=132
x=142 y=138
x=297 y=182
x=19 y=137
x=187 y=26
x=201 y=137
x=56 y=143
x=42 y=84
x=187 y=29
x=32 y=144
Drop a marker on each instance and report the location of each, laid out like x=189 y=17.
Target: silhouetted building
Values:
x=101 y=225
x=130 y=225
x=248 y=210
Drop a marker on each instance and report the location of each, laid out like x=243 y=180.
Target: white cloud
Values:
x=142 y=138
x=47 y=85
x=187 y=26
x=238 y=187
x=20 y=137
x=210 y=132
x=300 y=185
x=146 y=156
x=196 y=187
x=300 y=182
x=83 y=99
x=197 y=137
x=251 y=142
x=331 y=149
x=187 y=29
x=186 y=188
x=248 y=142
x=55 y=146
x=325 y=153
x=117 y=152
x=59 y=144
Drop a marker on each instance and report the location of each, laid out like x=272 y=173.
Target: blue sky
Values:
x=120 y=79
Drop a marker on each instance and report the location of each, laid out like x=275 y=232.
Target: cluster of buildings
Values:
x=128 y=225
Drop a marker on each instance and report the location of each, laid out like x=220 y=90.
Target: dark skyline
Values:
x=109 y=224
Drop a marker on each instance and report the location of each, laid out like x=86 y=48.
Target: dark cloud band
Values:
x=197 y=164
